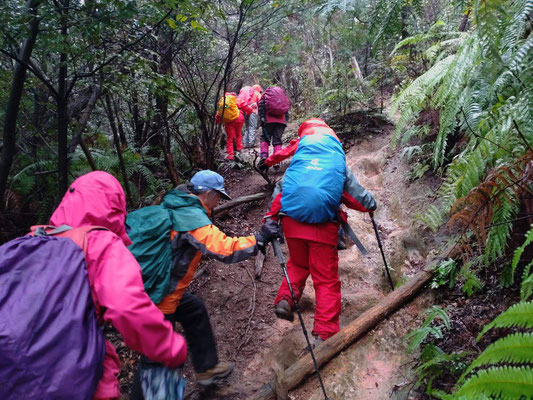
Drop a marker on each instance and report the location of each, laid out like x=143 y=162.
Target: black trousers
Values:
x=272 y=133
x=193 y=317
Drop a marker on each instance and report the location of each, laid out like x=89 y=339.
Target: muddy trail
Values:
x=241 y=307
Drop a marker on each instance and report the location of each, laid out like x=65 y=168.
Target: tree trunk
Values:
x=13 y=103
x=464 y=21
x=62 y=110
x=84 y=118
x=120 y=126
x=116 y=142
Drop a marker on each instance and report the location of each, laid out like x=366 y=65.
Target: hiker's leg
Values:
x=108 y=385
x=277 y=133
x=265 y=140
x=246 y=131
x=230 y=134
x=192 y=315
x=324 y=267
x=297 y=269
x=252 y=128
x=238 y=135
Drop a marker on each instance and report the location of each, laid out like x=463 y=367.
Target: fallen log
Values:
x=240 y=200
x=304 y=367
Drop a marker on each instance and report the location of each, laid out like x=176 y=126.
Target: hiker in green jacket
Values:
x=169 y=241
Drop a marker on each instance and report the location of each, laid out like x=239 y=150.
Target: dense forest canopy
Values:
x=131 y=87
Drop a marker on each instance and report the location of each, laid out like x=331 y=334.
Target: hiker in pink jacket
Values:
x=97 y=199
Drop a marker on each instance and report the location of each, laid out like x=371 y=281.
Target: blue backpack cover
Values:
x=313 y=184
x=51 y=344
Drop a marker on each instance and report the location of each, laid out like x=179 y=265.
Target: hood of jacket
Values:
x=94 y=199
x=186 y=210
x=315 y=125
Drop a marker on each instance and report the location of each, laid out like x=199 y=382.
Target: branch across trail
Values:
x=301 y=369
x=240 y=200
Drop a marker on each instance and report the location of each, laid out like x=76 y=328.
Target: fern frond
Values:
x=518 y=315
x=526 y=288
x=519 y=250
x=516 y=348
x=432 y=218
x=500 y=382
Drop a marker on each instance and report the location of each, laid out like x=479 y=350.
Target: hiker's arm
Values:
x=115 y=277
x=355 y=196
x=284 y=153
x=262 y=110
x=212 y=242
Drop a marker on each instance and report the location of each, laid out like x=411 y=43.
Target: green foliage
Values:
x=518 y=315
x=433 y=363
x=480 y=84
x=516 y=348
x=504 y=369
x=428 y=328
x=432 y=218
x=445 y=274
x=526 y=289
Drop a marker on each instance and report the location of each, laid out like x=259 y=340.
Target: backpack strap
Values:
x=77 y=235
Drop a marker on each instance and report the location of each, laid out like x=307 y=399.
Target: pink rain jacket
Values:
x=97 y=199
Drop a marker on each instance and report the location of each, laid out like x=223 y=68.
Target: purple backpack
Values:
x=276 y=101
x=52 y=346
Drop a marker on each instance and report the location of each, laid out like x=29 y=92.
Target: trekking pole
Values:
x=382 y=252
x=279 y=254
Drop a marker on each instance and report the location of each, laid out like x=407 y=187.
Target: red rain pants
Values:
x=321 y=260
x=234 y=131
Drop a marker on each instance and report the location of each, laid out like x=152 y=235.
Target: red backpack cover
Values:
x=276 y=101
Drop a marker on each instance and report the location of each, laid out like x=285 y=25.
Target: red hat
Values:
x=257 y=88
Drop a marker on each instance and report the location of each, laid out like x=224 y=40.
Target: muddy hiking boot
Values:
x=317 y=341
x=283 y=310
x=219 y=371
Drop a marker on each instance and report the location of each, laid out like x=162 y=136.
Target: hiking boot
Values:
x=317 y=341
x=284 y=310
x=277 y=167
x=219 y=371
x=238 y=155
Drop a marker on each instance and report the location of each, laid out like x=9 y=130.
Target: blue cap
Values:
x=209 y=180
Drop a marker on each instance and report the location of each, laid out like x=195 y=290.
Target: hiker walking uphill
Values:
x=170 y=256
x=251 y=96
x=274 y=114
x=60 y=284
x=313 y=188
x=231 y=111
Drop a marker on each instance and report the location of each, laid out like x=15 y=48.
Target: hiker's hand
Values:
x=261 y=166
x=269 y=231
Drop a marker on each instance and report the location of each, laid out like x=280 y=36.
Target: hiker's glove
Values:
x=262 y=166
x=269 y=231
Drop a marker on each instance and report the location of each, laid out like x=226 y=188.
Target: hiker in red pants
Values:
x=314 y=186
x=232 y=110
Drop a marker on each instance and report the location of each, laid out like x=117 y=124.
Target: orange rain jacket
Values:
x=188 y=249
